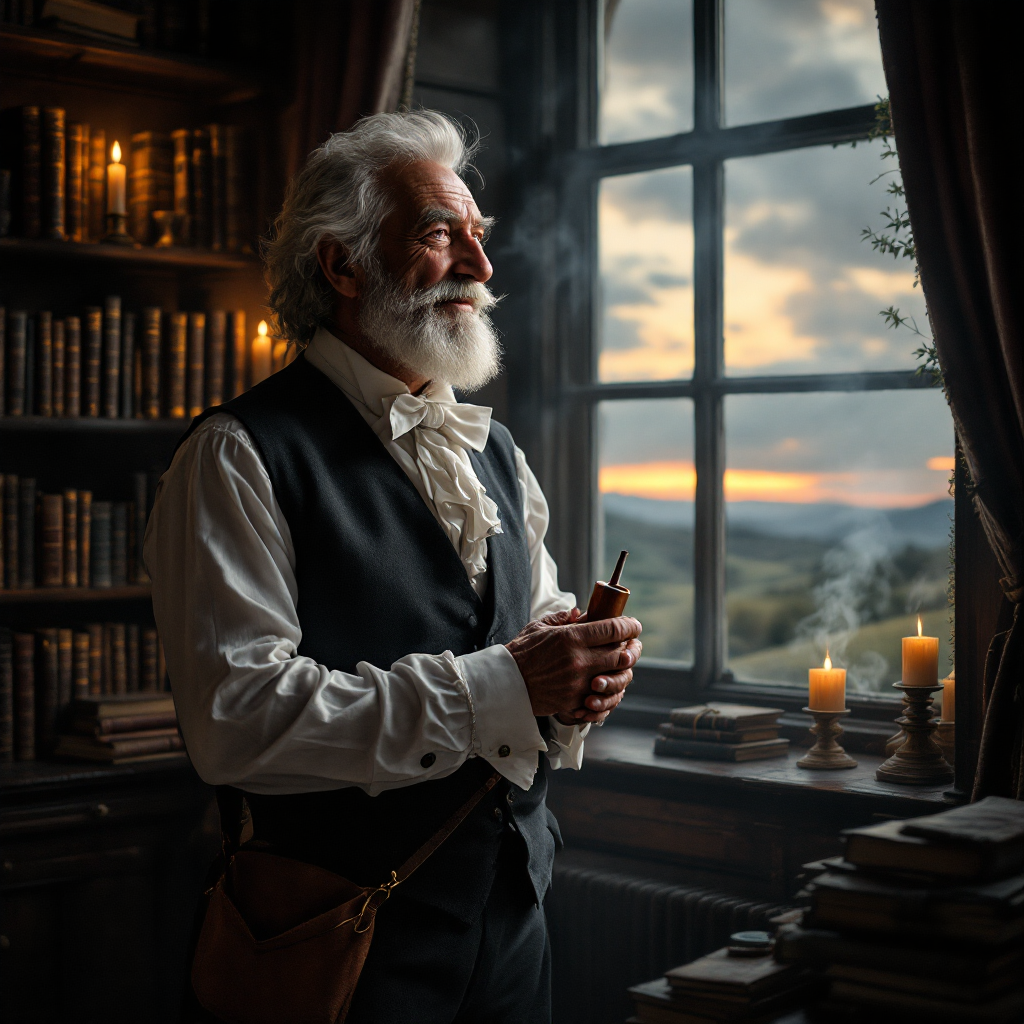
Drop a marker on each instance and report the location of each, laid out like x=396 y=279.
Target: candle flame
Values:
x=115 y=152
x=261 y=328
x=828 y=662
x=919 y=625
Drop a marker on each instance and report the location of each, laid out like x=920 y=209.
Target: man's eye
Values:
x=439 y=233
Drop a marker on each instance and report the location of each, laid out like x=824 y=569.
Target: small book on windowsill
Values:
x=666 y=746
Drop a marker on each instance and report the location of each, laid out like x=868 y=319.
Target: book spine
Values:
x=95 y=659
x=65 y=669
x=132 y=656
x=200 y=206
x=47 y=689
x=24 y=697
x=3 y=353
x=150 y=183
x=151 y=323
x=3 y=535
x=137 y=383
x=234 y=206
x=80 y=669
x=70 y=537
x=44 y=364
x=216 y=337
x=218 y=183
x=177 y=334
x=139 y=482
x=111 y=356
x=150 y=660
x=182 y=141
x=133 y=723
x=99 y=570
x=73 y=182
x=73 y=367
x=85 y=150
x=118 y=543
x=30 y=366
x=196 y=355
x=51 y=537
x=97 y=224
x=58 y=359
x=26 y=533
x=6 y=696
x=53 y=158
x=84 y=538
x=106 y=661
x=11 y=558
x=127 y=365
x=93 y=362
x=16 y=344
x=30 y=181
x=240 y=351
x=119 y=658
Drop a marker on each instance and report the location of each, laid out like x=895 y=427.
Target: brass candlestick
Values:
x=919 y=761
x=116 y=230
x=826 y=752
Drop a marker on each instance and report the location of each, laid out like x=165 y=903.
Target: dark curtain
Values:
x=353 y=57
x=956 y=90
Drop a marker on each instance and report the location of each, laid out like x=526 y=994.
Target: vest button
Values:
x=498 y=816
x=509 y=798
x=471 y=620
x=504 y=750
x=428 y=759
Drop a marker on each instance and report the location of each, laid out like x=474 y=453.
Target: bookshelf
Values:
x=76 y=595
x=178 y=257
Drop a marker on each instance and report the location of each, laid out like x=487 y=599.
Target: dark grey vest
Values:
x=379 y=579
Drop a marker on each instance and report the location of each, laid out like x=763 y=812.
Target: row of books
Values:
x=121 y=365
x=723 y=732
x=44 y=671
x=195 y=177
x=69 y=540
x=921 y=918
x=122 y=728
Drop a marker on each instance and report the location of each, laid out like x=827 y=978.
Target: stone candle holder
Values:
x=919 y=761
x=826 y=752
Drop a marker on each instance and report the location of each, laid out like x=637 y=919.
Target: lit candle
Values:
x=949 y=698
x=261 y=353
x=920 y=659
x=828 y=687
x=116 y=183
x=280 y=360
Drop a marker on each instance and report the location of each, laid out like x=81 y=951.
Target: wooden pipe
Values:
x=609 y=599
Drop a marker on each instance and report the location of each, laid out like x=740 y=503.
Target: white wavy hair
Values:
x=338 y=195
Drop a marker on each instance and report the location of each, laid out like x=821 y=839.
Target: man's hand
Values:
x=576 y=670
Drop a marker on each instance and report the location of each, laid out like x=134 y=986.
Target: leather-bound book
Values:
x=150 y=677
x=17 y=331
x=201 y=185
x=52 y=166
x=73 y=183
x=118 y=658
x=151 y=323
x=95 y=659
x=177 y=335
x=150 y=182
x=127 y=365
x=124 y=748
x=30 y=366
x=100 y=561
x=51 y=540
x=72 y=367
x=24 y=696
x=47 y=688
x=26 y=532
x=218 y=185
x=58 y=362
x=181 y=140
x=70 y=537
x=44 y=364
x=92 y=362
x=111 y=356
x=131 y=640
x=239 y=355
x=140 y=506
x=97 y=186
x=6 y=696
x=85 y=538
x=21 y=135
x=196 y=361
x=216 y=335
x=118 y=543
x=137 y=383
x=3 y=356
x=11 y=559
x=80 y=665
x=235 y=229
x=65 y=669
x=107 y=660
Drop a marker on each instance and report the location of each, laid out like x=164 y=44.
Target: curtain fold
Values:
x=956 y=91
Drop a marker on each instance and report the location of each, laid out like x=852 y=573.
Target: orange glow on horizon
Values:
x=943 y=462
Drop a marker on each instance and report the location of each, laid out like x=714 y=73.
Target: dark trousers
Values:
x=425 y=967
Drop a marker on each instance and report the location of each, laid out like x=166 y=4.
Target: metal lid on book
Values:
x=751 y=943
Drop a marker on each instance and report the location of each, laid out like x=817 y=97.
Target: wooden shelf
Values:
x=90 y=425
x=67 y=58
x=183 y=258
x=74 y=595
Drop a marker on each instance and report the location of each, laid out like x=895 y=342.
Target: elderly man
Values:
x=361 y=620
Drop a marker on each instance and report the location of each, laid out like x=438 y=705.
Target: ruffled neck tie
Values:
x=442 y=432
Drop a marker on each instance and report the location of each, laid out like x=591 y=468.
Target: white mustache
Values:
x=478 y=295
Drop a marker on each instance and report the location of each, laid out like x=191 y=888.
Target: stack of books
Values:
x=722 y=732
x=119 y=730
x=722 y=987
x=921 y=918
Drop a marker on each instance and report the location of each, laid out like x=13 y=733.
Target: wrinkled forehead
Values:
x=423 y=188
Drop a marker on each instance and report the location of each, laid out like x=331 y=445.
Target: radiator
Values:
x=609 y=931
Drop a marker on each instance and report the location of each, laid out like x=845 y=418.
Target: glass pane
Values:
x=648 y=69
x=785 y=58
x=803 y=292
x=838 y=518
x=647 y=482
x=645 y=224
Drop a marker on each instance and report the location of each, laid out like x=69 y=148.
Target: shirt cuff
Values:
x=505 y=733
x=565 y=744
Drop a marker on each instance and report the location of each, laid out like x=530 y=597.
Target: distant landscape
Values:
x=798 y=576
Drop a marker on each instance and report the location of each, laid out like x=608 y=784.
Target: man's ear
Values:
x=344 y=278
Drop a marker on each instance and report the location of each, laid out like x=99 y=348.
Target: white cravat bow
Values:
x=442 y=431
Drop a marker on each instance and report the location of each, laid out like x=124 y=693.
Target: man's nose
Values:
x=471 y=260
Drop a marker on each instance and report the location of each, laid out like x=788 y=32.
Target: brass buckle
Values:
x=386 y=889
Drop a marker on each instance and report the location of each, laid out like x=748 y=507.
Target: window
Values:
x=750 y=429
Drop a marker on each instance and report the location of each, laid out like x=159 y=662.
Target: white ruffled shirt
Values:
x=257 y=715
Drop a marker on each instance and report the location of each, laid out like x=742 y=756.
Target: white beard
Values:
x=450 y=346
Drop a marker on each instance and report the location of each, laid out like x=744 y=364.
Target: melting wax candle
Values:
x=828 y=687
x=920 y=659
x=261 y=353
x=116 y=183
x=949 y=698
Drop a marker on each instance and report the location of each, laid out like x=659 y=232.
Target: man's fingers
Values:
x=607 y=631
x=600 y=704
x=606 y=685
x=614 y=659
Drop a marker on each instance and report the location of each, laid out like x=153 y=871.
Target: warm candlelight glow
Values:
x=117 y=183
x=115 y=152
x=261 y=354
x=949 y=698
x=920 y=659
x=261 y=329
x=827 y=687
x=828 y=662
x=919 y=625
